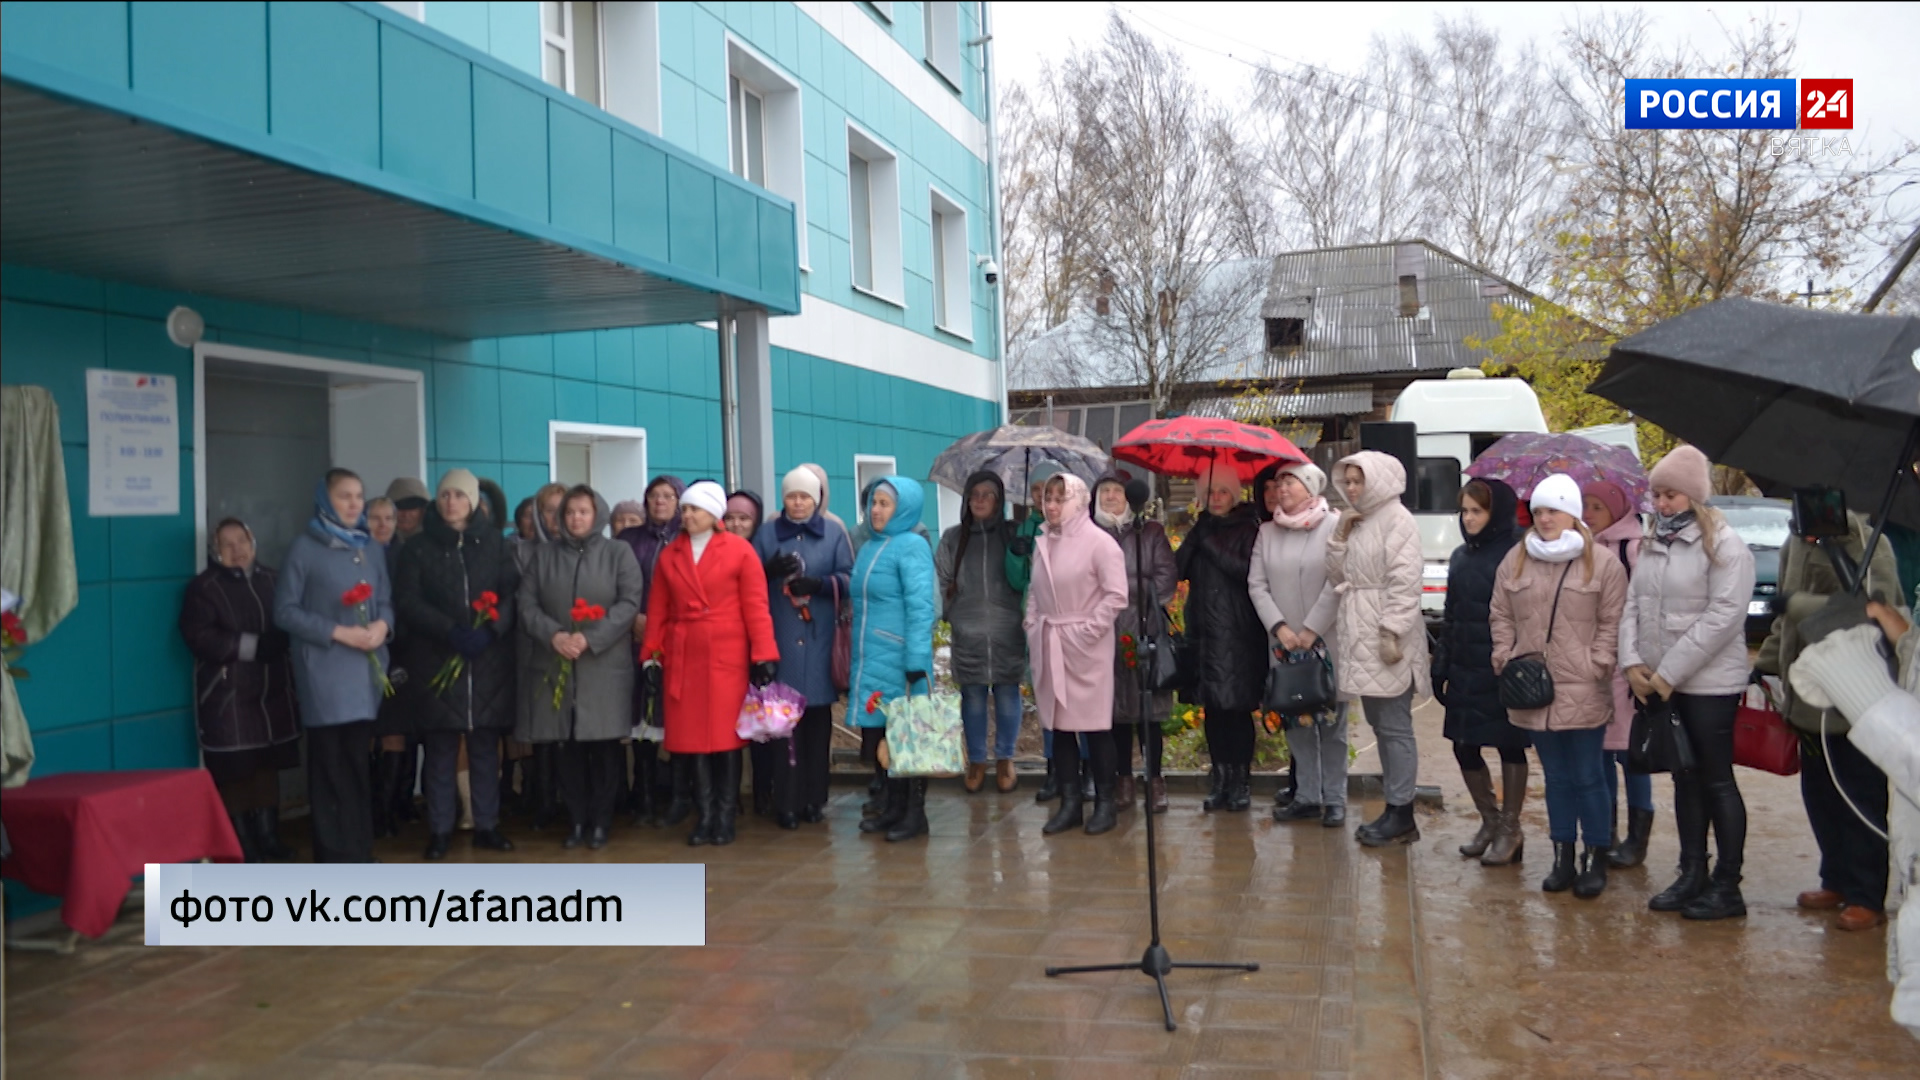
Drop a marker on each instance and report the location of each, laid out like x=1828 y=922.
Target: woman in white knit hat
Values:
x=1553 y=598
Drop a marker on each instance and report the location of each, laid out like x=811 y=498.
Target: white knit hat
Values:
x=802 y=480
x=1558 y=492
x=708 y=496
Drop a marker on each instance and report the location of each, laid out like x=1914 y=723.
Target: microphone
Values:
x=1138 y=492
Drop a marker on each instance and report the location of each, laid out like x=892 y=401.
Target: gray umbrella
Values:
x=1011 y=452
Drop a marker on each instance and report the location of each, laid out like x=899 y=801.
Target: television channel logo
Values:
x=1739 y=104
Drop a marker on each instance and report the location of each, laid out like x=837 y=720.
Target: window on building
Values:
x=1410 y=271
x=1286 y=333
x=952 y=297
x=570 y=48
x=943 y=38
x=1409 y=296
x=630 y=48
x=873 y=197
x=765 y=134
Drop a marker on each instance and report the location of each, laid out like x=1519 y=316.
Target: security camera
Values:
x=990 y=268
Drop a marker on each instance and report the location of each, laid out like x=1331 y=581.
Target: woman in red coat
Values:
x=709 y=633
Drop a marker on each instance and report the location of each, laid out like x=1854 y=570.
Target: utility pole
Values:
x=1899 y=266
x=1810 y=294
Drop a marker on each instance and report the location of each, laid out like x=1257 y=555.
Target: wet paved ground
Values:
x=832 y=954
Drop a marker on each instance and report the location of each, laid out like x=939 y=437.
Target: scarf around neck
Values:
x=1668 y=527
x=1111 y=521
x=327 y=527
x=1565 y=549
x=1307 y=519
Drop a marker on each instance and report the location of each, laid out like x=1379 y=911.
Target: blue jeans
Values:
x=1006 y=720
x=1639 y=785
x=1575 y=764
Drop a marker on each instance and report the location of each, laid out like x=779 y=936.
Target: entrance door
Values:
x=609 y=458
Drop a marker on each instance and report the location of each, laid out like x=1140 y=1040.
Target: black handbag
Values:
x=1301 y=683
x=1657 y=743
x=1525 y=683
x=1163 y=663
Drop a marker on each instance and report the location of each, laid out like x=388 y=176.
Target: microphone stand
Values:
x=1155 y=963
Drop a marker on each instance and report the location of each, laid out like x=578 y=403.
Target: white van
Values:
x=1455 y=419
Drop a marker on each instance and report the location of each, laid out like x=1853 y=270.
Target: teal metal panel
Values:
x=53 y=347
x=676 y=38
x=327 y=329
x=141 y=345
x=81 y=749
x=154 y=547
x=654 y=413
x=426 y=113
x=466 y=410
x=211 y=58
x=640 y=214
x=31 y=283
x=871 y=395
x=573 y=401
x=616 y=405
x=514 y=33
x=531 y=352
x=325 y=72
x=165 y=740
x=92 y=560
x=466 y=20
x=711 y=112
x=526 y=404
x=613 y=357
x=807 y=65
x=709 y=53
x=778 y=367
x=573 y=355
x=581 y=167
x=779 y=264
x=152 y=670
x=800 y=377
x=846 y=392
x=679 y=109
x=737 y=236
x=69 y=684
x=786 y=32
x=507 y=119
x=521 y=480
x=87 y=39
x=690 y=225
x=652 y=357
x=687 y=375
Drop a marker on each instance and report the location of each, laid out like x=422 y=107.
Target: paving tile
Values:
x=568 y=1053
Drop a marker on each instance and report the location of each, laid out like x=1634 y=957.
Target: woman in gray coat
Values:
x=333 y=598
x=591 y=710
x=984 y=610
x=1298 y=606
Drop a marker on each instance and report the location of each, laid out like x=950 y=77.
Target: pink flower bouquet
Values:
x=769 y=713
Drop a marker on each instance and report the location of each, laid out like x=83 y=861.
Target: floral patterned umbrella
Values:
x=1525 y=459
x=1010 y=452
x=1189 y=445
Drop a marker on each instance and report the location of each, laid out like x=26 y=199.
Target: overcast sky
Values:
x=1876 y=45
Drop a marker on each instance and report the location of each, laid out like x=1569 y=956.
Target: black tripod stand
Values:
x=1154 y=963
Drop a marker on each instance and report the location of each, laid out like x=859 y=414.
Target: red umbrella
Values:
x=1188 y=445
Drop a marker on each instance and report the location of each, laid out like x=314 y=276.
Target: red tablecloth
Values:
x=83 y=836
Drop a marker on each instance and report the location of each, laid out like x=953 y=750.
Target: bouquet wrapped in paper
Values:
x=770 y=712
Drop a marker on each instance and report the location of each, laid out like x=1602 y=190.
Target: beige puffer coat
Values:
x=1375 y=569
x=1586 y=633
x=1687 y=614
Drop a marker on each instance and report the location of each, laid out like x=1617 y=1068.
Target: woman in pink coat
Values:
x=1617 y=531
x=1079 y=588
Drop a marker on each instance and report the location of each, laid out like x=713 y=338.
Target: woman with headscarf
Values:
x=1224 y=629
x=745 y=514
x=1299 y=608
x=709 y=635
x=458 y=559
x=892 y=590
x=1558 y=599
x=1617 y=531
x=339 y=688
x=243 y=688
x=586 y=711
x=1374 y=562
x=627 y=514
x=989 y=652
x=1078 y=592
x=1026 y=525
x=1463 y=678
x=1152 y=579
x=808 y=560
x=661 y=502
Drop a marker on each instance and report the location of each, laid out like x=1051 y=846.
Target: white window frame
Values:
x=564 y=41
x=412 y=9
x=630 y=62
x=942 y=21
x=882 y=8
x=859 y=488
x=622 y=440
x=950 y=266
x=783 y=130
x=883 y=215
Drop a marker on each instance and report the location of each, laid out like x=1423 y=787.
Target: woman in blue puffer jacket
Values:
x=893 y=610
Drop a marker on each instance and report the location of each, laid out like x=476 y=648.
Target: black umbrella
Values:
x=1800 y=398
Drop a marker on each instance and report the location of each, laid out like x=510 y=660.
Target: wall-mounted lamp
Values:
x=185 y=327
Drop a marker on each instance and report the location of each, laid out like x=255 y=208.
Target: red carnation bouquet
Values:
x=1129 y=651
x=13 y=637
x=582 y=614
x=357 y=598
x=486 y=610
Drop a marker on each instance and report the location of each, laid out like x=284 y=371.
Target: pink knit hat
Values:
x=1610 y=494
x=1685 y=470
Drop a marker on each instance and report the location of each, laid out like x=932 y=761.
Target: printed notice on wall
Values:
x=133 y=444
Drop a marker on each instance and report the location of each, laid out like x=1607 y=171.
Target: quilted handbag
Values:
x=1301 y=683
x=1761 y=738
x=1657 y=743
x=840 y=662
x=924 y=735
x=1525 y=683
x=1163 y=662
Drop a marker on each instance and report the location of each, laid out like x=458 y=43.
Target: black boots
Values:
x=266 y=834
x=243 y=832
x=914 y=822
x=1480 y=787
x=1721 y=899
x=1239 y=788
x=1072 y=812
x=893 y=807
x=1050 y=790
x=1561 y=877
x=682 y=806
x=543 y=778
x=1216 y=789
x=436 y=846
x=1394 y=826
x=1104 y=804
x=704 y=798
x=387 y=798
x=646 y=766
x=876 y=793
x=727 y=798
x=1289 y=788
x=1633 y=850
x=1686 y=888
x=1593 y=874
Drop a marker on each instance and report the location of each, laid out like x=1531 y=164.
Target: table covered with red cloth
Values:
x=83 y=836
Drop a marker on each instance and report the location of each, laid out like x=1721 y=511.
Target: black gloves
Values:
x=785 y=564
x=803 y=586
x=272 y=645
x=470 y=641
x=914 y=677
x=763 y=673
x=1020 y=546
x=650 y=677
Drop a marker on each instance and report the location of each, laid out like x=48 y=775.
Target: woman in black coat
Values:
x=1224 y=632
x=1463 y=677
x=458 y=557
x=248 y=722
